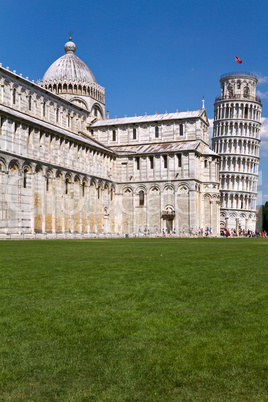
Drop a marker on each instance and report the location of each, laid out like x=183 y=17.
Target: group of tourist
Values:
x=242 y=233
x=200 y=232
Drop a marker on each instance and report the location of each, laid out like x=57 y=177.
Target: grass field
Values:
x=134 y=320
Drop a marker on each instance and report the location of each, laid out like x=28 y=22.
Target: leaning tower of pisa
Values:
x=236 y=138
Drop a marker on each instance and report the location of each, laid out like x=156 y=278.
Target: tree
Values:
x=262 y=220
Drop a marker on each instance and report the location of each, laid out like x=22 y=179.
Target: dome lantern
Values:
x=70 y=47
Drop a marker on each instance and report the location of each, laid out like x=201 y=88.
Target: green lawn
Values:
x=134 y=320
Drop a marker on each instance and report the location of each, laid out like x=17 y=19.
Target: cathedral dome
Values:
x=69 y=68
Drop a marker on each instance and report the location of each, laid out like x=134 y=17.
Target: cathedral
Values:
x=68 y=170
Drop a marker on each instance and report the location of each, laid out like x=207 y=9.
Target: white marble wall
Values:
x=54 y=178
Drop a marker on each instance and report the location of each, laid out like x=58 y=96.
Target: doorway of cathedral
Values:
x=168 y=215
x=169 y=225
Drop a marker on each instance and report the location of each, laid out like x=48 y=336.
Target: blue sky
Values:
x=149 y=55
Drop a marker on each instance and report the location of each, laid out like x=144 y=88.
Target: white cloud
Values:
x=262 y=79
x=264 y=133
x=263 y=95
x=262 y=198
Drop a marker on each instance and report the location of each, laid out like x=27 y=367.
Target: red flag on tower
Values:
x=238 y=60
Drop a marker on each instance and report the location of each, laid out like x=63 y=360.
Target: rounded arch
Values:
x=77 y=179
x=169 y=208
x=95 y=109
x=68 y=176
x=141 y=187
x=85 y=180
x=27 y=167
x=39 y=168
x=79 y=101
x=14 y=165
x=93 y=182
x=2 y=164
x=183 y=188
x=155 y=188
x=168 y=187
x=127 y=191
x=59 y=174
x=49 y=172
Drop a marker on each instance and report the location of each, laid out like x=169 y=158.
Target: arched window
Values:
x=165 y=161
x=44 y=109
x=67 y=183
x=156 y=131
x=83 y=189
x=114 y=135
x=25 y=178
x=1 y=125
x=30 y=102
x=246 y=92
x=179 y=160
x=47 y=182
x=14 y=96
x=141 y=198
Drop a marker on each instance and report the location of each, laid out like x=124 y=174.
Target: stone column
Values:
x=218 y=217
x=133 y=206
x=147 y=209
x=176 y=218
x=211 y=212
x=20 y=179
x=236 y=225
x=72 y=206
x=32 y=197
x=192 y=209
x=96 y=209
x=88 y=205
x=80 y=201
x=53 y=204
x=63 y=203
x=161 y=209
x=44 y=204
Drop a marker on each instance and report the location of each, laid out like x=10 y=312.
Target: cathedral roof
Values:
x=149 y=118
x=157 y=148
x=180 y=146
x=69 y=68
